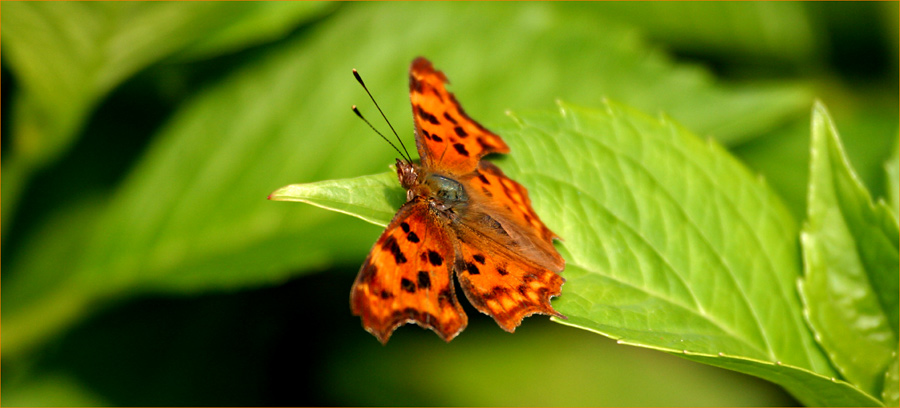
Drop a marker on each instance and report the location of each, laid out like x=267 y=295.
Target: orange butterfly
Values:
x=462 y=215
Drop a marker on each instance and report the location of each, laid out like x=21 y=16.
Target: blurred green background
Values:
x=143 y=265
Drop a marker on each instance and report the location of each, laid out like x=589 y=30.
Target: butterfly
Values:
x=462 y=217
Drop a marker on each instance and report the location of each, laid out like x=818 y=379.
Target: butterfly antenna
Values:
x=359 y=79
x=356 y=111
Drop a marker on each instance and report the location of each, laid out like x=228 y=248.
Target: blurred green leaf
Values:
x=67 y=56
x=572 y=367
x=48 y=295
x=890 y=394
x=782 y=156
x=193 y=214
x=890 y=24
x=266 y=21
x=775 y=31
x=670 y=244
x=850 y=251
x=892 y=180
x=48 y=390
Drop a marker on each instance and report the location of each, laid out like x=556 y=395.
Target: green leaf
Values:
x=378 y=203
x=782 y=156
x=600 y=373
x=193 y=215
x=891 y=392
x=67 y=56
x=670 y=244
x=266 y=21
x=850 y=251
x=673 y=245
x=892 y=179
x=812 y=389
x=50 y=389
x=748 y=32
x=47 y=294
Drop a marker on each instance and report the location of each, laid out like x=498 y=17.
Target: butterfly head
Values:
x=407 y=173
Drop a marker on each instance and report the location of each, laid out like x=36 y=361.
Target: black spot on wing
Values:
x=438 y=94
x=478 y=258
x=450 y=118
x=528 y=218
x=482 y=178
x=427 y=116
x=435 y=258
x=483 y=144
x=412 y=237
x=496 y=291
x=424 y=280
x=415 y=84
x=460 y=132
x=502 y=271
x=461 y=149
x=472 y=269
x=390 y=245
x=386 y=295
x=465 y=115
x=404 y=226
x=408 y=285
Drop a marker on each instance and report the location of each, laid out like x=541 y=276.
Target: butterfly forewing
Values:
x=406 y=278
x=446 y=137
x=490 y=182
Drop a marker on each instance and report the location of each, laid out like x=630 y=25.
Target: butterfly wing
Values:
x=448 y=140
x=406 y=278
x=504 y=285
x=500 y=210
x=490 y=185
x=507 y=263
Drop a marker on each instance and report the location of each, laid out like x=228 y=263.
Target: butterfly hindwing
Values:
x=407 y=278
x=503 y=285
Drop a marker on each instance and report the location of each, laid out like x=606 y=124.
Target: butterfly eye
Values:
x=447 y=190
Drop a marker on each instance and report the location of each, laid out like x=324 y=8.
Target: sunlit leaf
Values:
x=382 y=196
x=850 y=250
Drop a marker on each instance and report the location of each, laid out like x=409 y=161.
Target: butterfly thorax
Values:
x=442 y=193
